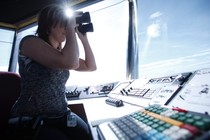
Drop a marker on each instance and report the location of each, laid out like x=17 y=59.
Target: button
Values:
x=161 y=128
x=190 y=128
x=189 y=121
x=165 y=119
x=166 y=125
x=184 y=133
x=200 y=125
x=197 y=118
x=182 y=118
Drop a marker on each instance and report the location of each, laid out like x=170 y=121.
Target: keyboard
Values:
x=157 y=122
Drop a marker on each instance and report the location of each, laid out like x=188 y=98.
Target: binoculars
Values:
x=84 y=22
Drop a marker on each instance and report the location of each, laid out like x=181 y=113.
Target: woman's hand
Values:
x=87 y=64
x=82 y=36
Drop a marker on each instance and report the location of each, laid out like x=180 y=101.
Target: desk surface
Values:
x=97 y=111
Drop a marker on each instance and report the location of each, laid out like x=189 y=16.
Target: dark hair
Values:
x=49 y=17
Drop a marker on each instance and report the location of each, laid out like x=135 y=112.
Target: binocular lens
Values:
x=85 y=18
x=84 y=22
x=85 y=28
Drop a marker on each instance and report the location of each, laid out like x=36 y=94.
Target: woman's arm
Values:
x=43 y=53
x=87 y=64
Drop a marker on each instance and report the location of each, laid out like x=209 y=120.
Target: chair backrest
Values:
x=9 y=93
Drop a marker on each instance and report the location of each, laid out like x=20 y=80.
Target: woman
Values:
x=44 y=66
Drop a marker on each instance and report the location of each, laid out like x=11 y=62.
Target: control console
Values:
x=82 y=92
x=145 y=91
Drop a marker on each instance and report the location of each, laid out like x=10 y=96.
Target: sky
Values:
x=173 y=36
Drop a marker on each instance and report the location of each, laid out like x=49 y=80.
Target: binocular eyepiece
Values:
x=84 y=22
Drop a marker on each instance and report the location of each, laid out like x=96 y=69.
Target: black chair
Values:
x=9 y=93
x=10 y=87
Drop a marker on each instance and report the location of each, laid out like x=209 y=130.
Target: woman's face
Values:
x=57 y=34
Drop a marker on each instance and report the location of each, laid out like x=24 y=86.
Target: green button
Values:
x=161 y=122
x=189 y=121
x=197 y=118
x=154 y=110
x=206 y=122
x=164 y=109
x=158 y=111
x=143 y=115
x=181 y=113
x=200 y=125
x=141 y=119
x=182 y=118
x=149 y=123
x=149 y=109
x=145 y=121
x=189 y=115
x=155 y=120
x=150 y=118
x=146 y=117
x=174 y=116
x=167 y=125
x=160 y=128
x=154 y=125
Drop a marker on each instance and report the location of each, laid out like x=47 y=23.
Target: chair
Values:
x=9 y=93
x=10 y=87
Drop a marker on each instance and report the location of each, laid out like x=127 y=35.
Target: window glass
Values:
x=108 y=42
x=6 y=41
x=21 y=34
x=173 y=36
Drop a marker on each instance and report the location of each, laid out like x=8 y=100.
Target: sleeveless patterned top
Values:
x=42 y=90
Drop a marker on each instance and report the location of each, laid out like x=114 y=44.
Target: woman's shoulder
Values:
x=28 y=37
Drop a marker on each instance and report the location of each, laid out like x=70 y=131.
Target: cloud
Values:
x=190 y=60
x=155 y=15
